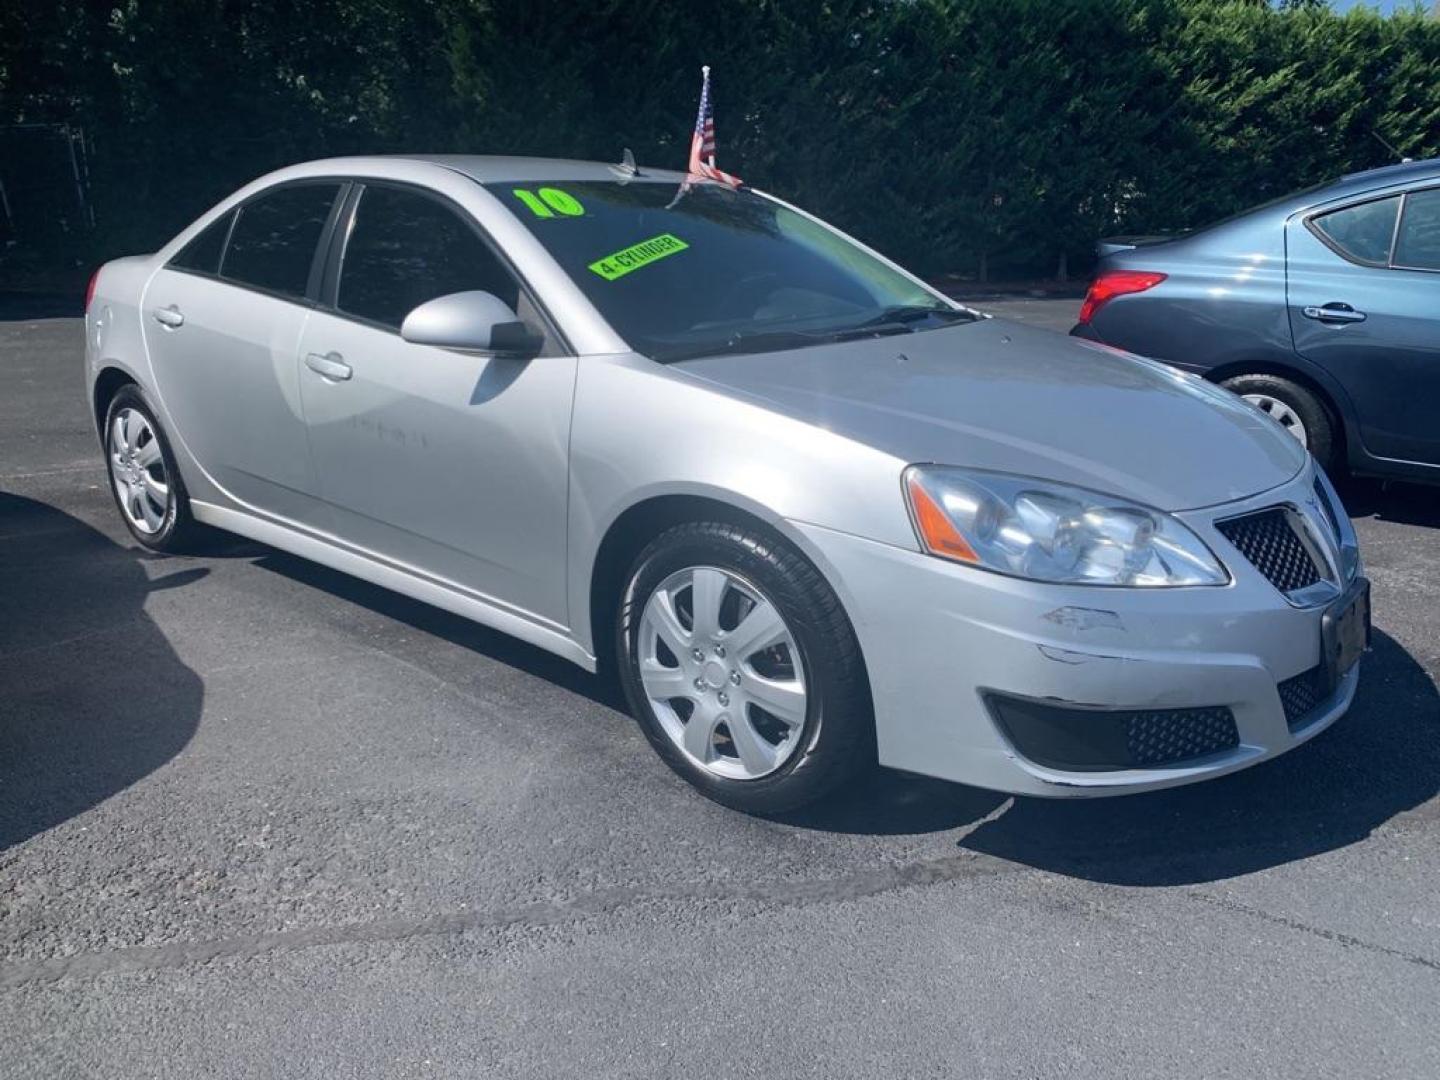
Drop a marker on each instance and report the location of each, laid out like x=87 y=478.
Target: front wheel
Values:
x=742 y=668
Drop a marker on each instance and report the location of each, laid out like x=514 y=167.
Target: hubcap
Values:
x=722 y=673
x=1281 y=413
x=137 y=470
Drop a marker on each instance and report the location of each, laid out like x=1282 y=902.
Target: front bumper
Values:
x=940 y=638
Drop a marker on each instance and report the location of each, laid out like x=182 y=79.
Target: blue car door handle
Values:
x=1334 y=313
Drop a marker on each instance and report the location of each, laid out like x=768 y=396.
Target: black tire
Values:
x=1320 y=432
x=837 y=740
x=178 y=531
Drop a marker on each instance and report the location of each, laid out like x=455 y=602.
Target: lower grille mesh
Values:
x=1268 y=539
x=1166 y=736
x=1302 y=695
x=1062 y=736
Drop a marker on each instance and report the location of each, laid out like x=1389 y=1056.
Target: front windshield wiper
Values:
x=898 y=320
x=759 y=341
x=904 y=313
x=891 y=320
x=869 y=330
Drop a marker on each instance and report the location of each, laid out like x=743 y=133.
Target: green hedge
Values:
x=970 y=136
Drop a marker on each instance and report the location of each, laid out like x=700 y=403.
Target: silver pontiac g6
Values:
x=812 y=512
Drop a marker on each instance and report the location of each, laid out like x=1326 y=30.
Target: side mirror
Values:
x=473 y=321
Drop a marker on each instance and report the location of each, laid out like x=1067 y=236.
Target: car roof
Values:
x=1357 y=182
x=488 y=168
x=1352 y=184
x=482 y=168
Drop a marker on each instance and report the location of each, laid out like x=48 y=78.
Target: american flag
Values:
x=702 y=142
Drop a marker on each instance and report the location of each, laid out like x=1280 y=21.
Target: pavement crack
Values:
x=61 y=643
x=58 y=470
x=780 y=893
x=1349 y=941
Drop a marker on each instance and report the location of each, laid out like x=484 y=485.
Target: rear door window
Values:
x=202 y=254
x=1417 y=245
x=406 y=248
x=272 y=245
x=1361 y=233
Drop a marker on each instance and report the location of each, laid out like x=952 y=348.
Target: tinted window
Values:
x=716 y=270
x=203 y=253
x=1362 y=232
x=1418 y=244
x=273 y=242
x=405 y=249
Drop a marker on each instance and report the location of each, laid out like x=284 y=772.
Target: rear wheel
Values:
x=1294 y=408
x=143 y=477
x=742 y=669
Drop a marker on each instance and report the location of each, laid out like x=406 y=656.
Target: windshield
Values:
x=717 y=271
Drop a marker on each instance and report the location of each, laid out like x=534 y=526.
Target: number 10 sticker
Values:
x=549 y=202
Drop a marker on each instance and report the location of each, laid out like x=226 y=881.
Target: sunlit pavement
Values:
x=257 y=819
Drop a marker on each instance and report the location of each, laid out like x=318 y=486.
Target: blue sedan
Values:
x=1322 y=309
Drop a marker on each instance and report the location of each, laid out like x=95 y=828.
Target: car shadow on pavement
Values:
x=92 y=696
x=498 y=646
x=1379 y=761
x=1390 y=500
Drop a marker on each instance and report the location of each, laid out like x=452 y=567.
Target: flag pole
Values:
x=705 y=79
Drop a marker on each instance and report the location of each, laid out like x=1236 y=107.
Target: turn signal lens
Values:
x=1115 y=283
x=937 y=533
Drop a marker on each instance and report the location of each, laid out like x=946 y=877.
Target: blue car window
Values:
x=1361 y=233
x=1418 y=244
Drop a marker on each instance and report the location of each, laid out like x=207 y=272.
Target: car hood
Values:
x=998 y=395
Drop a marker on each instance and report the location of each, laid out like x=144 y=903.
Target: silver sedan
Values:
x=810 y=511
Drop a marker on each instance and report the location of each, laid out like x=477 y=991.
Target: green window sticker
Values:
x=635 y=256
x=549 y=202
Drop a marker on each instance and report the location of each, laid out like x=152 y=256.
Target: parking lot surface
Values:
x=259 y=819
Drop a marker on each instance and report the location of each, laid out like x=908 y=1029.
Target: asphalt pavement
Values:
x=258 y=819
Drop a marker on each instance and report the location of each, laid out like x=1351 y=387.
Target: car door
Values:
x=451 y=463
x=1363 y=282
x=223 y=321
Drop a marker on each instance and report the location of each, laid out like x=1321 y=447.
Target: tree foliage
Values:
x=953 y=134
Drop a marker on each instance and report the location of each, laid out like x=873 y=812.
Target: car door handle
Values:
x=331 y=365
x=1334 y=312
x=169 y=316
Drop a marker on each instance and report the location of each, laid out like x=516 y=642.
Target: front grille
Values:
x=1269 y=540
x=1302 y=695
x=1078 y=739
x=1165 y=736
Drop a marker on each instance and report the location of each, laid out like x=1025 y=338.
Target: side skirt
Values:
x=388 y=575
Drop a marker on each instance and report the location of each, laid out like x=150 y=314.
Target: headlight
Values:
x=1052 y=532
